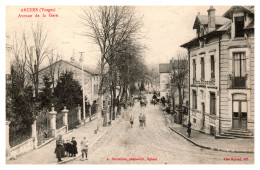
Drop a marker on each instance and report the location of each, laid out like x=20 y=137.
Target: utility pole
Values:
x=83 y=89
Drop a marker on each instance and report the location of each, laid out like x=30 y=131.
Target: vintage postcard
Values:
x=130 y=84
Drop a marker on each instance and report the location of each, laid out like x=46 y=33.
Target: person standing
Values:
x=84 y=148
x=144 y=120
x=189 y=129
x=59 y=148
x=74 y=147
x=141 y=119
x=131 y=121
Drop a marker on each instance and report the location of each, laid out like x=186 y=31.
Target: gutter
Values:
x=189 y=83
x=219 y=49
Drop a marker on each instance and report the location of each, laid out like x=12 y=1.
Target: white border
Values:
x=5 y=3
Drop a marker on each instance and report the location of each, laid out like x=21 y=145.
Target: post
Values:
x=7 y=123
x=65 y=118
x=34 y=134
x=79 y=114
x=90 y=114
x=52 y=116
x=83 y=89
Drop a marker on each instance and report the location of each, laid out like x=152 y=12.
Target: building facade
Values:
x=91 y=78
x=164 y=70
x=221 y=63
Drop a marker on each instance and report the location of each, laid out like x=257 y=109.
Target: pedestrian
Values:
x=189 y=129
x=141 y=119
x=74 y=149
x=63 y=149
x=84 y=148
x=67 y=147
x=59 y=146
x=144 y=120
x=131 y=121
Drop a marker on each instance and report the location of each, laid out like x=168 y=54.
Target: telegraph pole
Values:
x=83 y=91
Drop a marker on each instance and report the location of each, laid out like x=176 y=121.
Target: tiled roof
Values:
x=203 y=19
x=249 y=9
x=164 y=68
x=251 y=25
x=76 y=65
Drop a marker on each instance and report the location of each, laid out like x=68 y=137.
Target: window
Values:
x=202 y=94
x=212 y=104
x=239 y=69
x=202 y=68
x=212 y=63
x=194 y=99
x=194 y=69
x=239 y=26
x=239 y=64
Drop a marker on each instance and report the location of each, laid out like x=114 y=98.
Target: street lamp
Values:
x=83 y=89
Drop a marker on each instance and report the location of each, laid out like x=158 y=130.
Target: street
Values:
x=153 y=144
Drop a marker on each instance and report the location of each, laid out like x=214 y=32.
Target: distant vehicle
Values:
x=143 y=102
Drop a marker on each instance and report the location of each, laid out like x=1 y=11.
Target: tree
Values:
x=53 y=67
x=68 y=91
x=46 y=96
x=109 y=27
x=36 y=52
x=179 y=75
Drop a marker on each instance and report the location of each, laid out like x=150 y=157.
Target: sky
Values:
x=164 y=29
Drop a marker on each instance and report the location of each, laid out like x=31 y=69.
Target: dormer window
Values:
x=239 y=26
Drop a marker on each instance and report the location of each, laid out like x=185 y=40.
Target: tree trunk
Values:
x=180 y=97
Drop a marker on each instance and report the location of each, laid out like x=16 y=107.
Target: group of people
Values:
x=69 y=148
x=142 y=120
x=65 y=149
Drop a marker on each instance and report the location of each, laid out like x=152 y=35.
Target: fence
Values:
x=59 y=120
x=44 y=131
x=18 y=134
x=72 y=118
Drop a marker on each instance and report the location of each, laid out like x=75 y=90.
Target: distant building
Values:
x=221 y=60
x=91 y=77
x=164 y=70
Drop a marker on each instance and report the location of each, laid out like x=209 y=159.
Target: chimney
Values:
x=211 y=19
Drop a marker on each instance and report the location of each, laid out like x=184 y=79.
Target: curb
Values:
x=207 y=147
x=79 y=155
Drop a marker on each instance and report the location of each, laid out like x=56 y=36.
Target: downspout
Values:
x=189 y=83
x=219 y=50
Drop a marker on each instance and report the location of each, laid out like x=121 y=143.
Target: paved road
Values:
x=155 y=141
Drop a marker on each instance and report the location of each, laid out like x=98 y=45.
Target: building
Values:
x=221 y=64
x=91 y=77
x=164 y=70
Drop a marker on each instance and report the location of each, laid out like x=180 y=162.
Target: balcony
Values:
x=238 y=82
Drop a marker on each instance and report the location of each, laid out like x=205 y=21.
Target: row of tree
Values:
x=115 y=29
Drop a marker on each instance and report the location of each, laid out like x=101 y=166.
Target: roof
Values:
x=204 y=19
x=248 y=9
x=164 y=68
x=76 y=65
x=251 y=25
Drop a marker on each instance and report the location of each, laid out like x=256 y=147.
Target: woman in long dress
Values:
x=74 y=147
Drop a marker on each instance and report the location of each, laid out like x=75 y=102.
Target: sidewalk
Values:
x=45 y=154
x=209 y=142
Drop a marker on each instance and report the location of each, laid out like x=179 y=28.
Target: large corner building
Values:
x=221 y=64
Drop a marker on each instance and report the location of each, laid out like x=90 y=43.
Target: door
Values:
x=203 y=115
x=240 y=115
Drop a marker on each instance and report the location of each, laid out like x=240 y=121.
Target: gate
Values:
x=72 y=119
x=44 y=132
x=59 y=120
